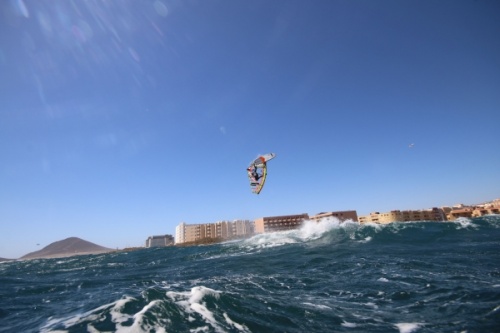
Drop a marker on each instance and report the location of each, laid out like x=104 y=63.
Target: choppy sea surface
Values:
x=324 y=277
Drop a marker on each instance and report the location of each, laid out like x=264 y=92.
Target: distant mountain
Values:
x=67 y=247
x=4 y=259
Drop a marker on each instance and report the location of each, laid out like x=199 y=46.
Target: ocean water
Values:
x=325 y=277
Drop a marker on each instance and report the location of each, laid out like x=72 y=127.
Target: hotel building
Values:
x=186 y=233
x=160 y=241
x=341 y=216
x=434 y=214
x=279 y=223
x=489 y=208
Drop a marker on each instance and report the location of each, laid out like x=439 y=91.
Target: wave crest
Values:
x=331 y=230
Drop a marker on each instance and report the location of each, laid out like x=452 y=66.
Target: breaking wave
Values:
x=333 y=231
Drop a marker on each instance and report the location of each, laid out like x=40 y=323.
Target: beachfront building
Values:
x=243 y=227
x=279 y=223
x=489 y=208
x=231 y=229
x=341 y=216
x=187 y=233
x=461 y=210
x=160 y=241
x=480 y=211
x=180 y=233
x=433 y=214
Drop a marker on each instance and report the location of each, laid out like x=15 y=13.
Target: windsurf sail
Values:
x=257 y=172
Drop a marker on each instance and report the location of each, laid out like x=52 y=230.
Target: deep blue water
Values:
x=326 y=277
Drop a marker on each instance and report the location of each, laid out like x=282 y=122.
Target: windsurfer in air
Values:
x=255 y=174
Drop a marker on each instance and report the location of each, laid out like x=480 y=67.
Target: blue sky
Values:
x=121 y=119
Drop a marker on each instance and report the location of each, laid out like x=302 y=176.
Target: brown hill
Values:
x=67 y=247
x=5 y=259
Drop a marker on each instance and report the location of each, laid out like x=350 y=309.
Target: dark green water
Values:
x=403 y=277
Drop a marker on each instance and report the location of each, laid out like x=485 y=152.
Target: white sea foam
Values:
x=92 y=315
x=241 y=328
x=375 y=226
x=50 y=323
x=192 y=302
x=495 y=309
x=347 y=324
x=269 y=240
x=366 y=240
x=310 y=230
x=139 y=325
x=59 y=262
x=408 y=327
x=464 y=223
x=371 y=305
x=314 y=229
x=118 y=317
x=318 y=306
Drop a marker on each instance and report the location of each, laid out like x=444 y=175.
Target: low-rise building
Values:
x=341 y=216
x=489 y=208
x=461 y=212
x=433 y=214
x=372 y=218
x=479 y=211
x=160 y=241
x=279 y=223
x=187 y=233
x=474 y=211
